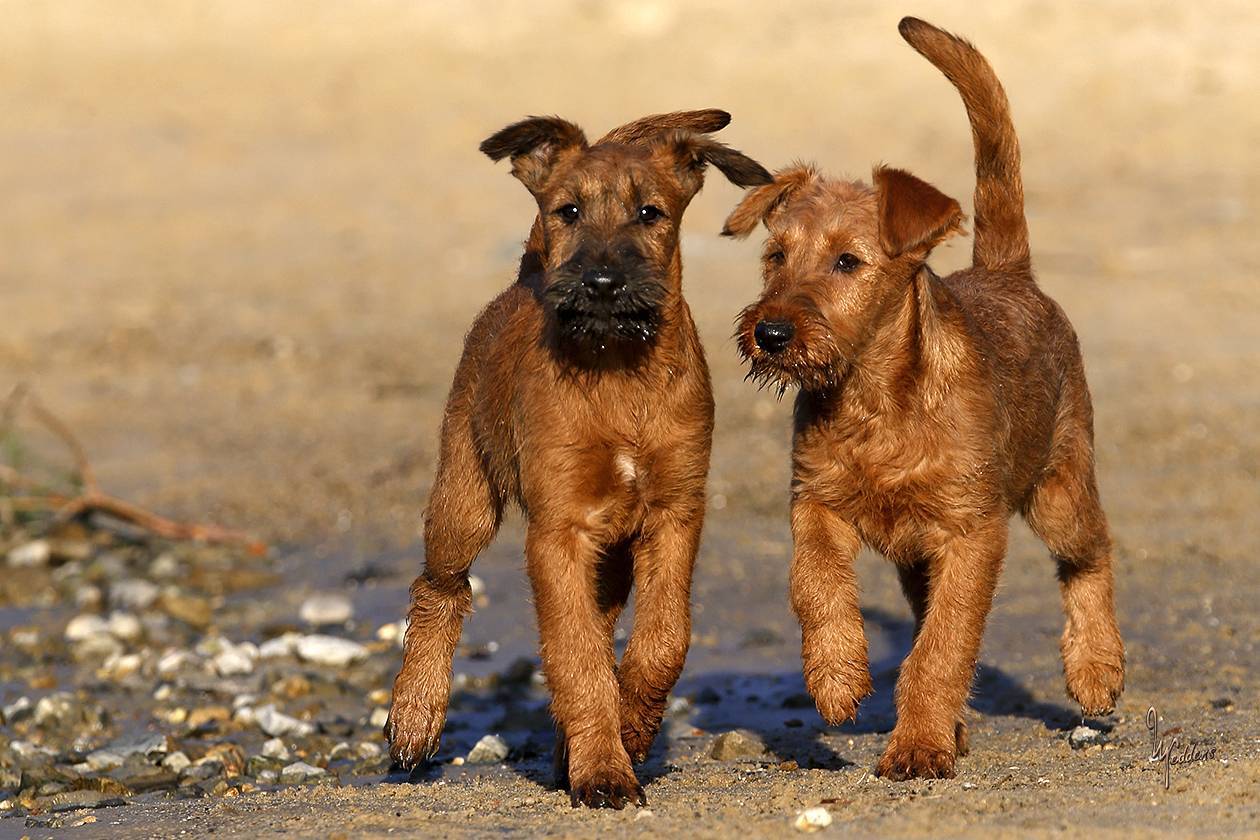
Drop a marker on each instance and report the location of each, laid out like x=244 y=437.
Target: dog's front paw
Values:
x=606 y=788
x=1095 y=680
x=413 y=731
x=837 y=694
x=911 y=758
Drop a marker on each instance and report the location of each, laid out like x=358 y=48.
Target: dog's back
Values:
x=1027 y=339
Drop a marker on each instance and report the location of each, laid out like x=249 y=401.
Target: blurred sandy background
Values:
x=241 y=241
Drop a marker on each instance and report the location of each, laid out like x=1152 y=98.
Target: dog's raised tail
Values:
x=1001 y=239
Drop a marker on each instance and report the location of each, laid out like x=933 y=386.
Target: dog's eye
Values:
x=776 y=257
x=648 y=214
x=569 y=213
x=847 y=263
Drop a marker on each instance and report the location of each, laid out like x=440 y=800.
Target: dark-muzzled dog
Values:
x=583 y=395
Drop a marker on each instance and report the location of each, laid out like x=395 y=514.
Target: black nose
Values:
x=773 y=336
x=604 y=282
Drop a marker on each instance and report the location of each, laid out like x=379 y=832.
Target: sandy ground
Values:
x=241 y=243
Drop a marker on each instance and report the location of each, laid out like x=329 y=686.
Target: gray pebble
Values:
x=738 y=743
x=491 y=749
x=299 y=772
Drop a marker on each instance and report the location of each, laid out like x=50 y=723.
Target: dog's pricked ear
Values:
x=761 y=203
x=534 y=144
x=646 y=128
x=914 y=216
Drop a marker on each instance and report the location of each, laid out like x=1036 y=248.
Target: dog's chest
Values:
x=900 y=486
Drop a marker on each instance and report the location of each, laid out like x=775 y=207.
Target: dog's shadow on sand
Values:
x=774 y=706
x=778 y=709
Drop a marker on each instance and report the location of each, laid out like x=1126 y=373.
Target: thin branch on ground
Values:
x=91 y=499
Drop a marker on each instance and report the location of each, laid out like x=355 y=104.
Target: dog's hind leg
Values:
x=915 y=580
x=936 y=677
x=1064 y=511
x=463 y=515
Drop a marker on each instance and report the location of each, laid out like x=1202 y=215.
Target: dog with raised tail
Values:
x=584 y=397
x=930 y=410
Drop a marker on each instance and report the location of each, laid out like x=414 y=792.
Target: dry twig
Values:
x=91 y=499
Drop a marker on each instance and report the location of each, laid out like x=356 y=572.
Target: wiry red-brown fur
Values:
x=601 y=437
x=930 y=411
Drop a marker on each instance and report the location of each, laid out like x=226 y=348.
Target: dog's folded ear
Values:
x=534 y=145
x=914 y=216
x=646 y=128
x=691 y=153
x=761 y=203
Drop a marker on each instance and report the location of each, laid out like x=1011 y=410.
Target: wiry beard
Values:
x=780 y=372
x=633 y=316
x=815 y=364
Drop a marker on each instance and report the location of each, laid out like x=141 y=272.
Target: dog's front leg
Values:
x=936 y=677
x=825 y=599
x=663 y=559
x=463 y=515
x=577 y=660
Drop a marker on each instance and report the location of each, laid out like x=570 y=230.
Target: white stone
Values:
x=491 y=749
x=87 y=597
x=86 y=626
x=326 y=609
x=19 y=709
x=279 y=646
x=165 y=567
x=114 y=755
x=378 y=718
x=174 y=661
x=1084 y=736
x=119 y=666
x=99 y=762
x=276 y=749
x=133 y=594
x=31 y=554
x=299 y=772
x=330 y=650
x=279 y=725
x=234 y=660
x=25 y=750
x=812 y=819
x=392 y=632
x=477 y=586
x=125 y=626
x=177 y=762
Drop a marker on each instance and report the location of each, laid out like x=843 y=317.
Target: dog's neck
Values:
x=912 y=355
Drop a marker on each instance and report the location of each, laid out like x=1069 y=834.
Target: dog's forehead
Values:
x=610 y=167
x=826 y=209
